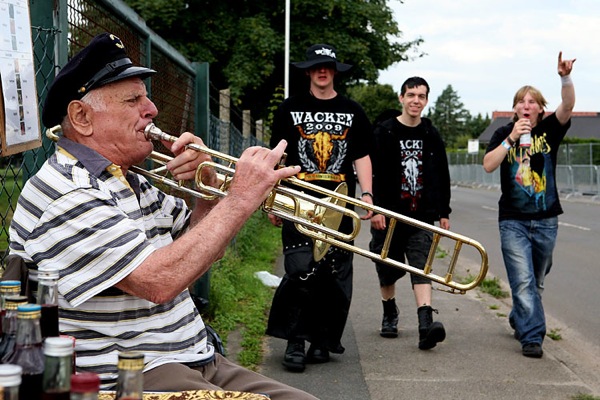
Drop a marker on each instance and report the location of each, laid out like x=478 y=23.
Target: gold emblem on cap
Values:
x=117 y=41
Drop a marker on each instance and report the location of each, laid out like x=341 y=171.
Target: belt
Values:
x=321 y=177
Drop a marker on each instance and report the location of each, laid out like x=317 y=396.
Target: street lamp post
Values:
x=286 y=84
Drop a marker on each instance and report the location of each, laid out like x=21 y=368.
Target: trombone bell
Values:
x=282 y=205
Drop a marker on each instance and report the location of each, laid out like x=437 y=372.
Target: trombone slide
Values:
x=321 y=233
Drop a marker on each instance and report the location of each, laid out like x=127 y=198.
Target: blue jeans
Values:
x=527 y=248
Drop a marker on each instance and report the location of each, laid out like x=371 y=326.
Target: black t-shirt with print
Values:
x=324 y=138
x=528 y=175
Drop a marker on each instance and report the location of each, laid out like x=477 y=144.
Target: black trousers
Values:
x=313 y=300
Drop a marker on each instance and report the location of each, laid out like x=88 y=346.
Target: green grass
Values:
x=493 y=288
x=239 y=300
x=582 y=396
x=554 y=334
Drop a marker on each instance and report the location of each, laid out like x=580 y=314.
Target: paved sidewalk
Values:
x=478 y=360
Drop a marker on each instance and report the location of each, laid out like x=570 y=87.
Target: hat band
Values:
x=108 y=69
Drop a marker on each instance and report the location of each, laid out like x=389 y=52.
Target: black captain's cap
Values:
x=102 y=61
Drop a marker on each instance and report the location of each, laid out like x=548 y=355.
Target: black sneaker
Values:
x=533 y=350
x=317 y=354
x=294 y=359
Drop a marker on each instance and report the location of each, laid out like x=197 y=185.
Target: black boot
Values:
x=389 y=325
x=294 y=359
x=430 y=332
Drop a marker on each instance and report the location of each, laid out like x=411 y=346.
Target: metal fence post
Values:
x=202 y=122
x=246 y=127
x=259 y=130
x=224 y=116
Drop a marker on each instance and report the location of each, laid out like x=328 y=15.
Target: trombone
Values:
x=319 y=218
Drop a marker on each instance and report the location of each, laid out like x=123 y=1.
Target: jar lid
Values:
x=29 y=311
x=10 y=286
x=48 y=272
x=10 y=283
x=10 y=375
x=58 y=346
x=130 y=360
x=85 y=382
x=12 y=302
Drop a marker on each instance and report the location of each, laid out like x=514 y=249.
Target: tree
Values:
x=243 y=40
x=374 y=99
x=449 y=116
x=476 y=126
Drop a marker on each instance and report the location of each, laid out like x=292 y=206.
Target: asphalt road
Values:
x=571 y=289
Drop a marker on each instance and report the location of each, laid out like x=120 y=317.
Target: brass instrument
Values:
x=319 y=218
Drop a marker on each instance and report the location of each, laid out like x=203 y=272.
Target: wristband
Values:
x=367 y=194
x=510 y=141
x=506 y=145
x=566 y=80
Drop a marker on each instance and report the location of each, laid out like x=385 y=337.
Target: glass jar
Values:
x=56 y=383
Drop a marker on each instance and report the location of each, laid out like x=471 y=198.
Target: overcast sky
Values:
x=487 y=49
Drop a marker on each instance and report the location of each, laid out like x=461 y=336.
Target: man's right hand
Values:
x=256 y=176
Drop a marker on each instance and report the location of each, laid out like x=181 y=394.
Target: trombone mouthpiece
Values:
x=152 y=132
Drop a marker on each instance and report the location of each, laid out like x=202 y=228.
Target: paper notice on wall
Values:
x=20 y=117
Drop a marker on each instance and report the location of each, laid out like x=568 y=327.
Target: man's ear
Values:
x=78 y=114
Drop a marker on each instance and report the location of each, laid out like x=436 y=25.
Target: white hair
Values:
x=95 y=99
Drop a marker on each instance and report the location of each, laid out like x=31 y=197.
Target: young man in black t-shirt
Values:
x=328 y=136
x=411 y=177
x=529 y=205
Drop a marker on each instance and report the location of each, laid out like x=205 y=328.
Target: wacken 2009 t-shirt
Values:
x=324 y=138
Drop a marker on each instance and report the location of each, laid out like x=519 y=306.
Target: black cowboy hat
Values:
x=321 y=54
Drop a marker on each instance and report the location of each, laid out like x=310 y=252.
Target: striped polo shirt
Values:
x=81 y=214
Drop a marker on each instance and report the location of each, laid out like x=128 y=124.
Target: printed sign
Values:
x=19 y=117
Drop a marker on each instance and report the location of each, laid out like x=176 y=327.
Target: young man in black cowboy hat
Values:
x=328 y=136
x=126 y=250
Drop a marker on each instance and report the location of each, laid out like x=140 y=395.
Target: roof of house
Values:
x=584 y=125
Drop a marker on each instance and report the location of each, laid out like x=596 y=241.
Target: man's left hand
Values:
x=187 y=160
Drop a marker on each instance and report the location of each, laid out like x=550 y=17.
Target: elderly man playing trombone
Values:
x=127 y=251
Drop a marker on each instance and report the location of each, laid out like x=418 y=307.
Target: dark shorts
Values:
x=409 y=245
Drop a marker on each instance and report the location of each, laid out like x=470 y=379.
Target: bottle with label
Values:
x=9 y=322
x=56 y=383
x=47 y=297
x=28 y=351
x=130 y=382
x=85 y=386
x=10 y=380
